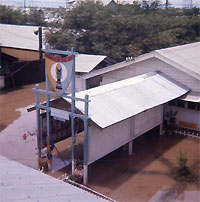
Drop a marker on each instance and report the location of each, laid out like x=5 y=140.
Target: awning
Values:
x=191 y=97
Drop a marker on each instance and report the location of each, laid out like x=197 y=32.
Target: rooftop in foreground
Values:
x=21 y=183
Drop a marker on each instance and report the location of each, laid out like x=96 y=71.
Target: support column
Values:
x=73 y=145
x=85 y=167
x=38 y=121
x=85 y=174
x=161 y=129
x=162 y=119
x=73 y=111
x=130 y=148
x=47 y=84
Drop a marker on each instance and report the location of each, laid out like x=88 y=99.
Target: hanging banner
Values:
x=59 y=71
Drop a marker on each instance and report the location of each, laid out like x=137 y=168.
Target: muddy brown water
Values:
x=14 y=98
x=119 y=176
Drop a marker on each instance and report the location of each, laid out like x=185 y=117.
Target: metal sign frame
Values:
x=72 y=114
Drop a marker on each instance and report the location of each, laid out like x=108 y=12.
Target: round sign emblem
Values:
x=54 y=71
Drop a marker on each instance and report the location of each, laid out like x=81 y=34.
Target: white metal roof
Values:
x=120 y=100
x=19 y=36
x=186 y=58
x=23 y=37
x=21 y=183
x=192 y=97
x=86 y=63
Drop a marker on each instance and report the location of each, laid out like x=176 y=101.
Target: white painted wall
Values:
x=152 y=64
x=186 y=115
x=103 y=141
x=147 y=120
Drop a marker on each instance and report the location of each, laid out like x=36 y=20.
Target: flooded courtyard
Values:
x=144 y=176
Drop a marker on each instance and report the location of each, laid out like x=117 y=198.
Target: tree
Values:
x=11 y=16
x=36 y=17
x=121 y=31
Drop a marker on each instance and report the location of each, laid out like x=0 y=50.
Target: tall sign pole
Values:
x=73 y=111
x=59 y=72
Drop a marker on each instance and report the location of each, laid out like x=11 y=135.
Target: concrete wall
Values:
x=103 y=141
x=152 y=64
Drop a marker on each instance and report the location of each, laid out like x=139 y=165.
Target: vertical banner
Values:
x=59 y=71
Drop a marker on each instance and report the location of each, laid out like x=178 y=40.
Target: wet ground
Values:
x=124 y=178
x=140 y=176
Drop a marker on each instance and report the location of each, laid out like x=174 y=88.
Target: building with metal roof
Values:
x=121 y=111
x=184 y=58
x=20 y=41
x=181 y=63
x=21 y=183
x=142 y=93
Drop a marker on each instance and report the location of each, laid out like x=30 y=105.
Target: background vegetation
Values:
x=116 y=30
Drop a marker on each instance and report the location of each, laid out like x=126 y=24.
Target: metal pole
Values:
x=166 y=4
x=38 y=121
x=48 y=110
x=73 y=111
x=40 y=42
x=85 y=166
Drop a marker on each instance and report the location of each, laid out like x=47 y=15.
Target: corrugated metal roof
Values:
x=120 y=100
x=19 y=36
x=23 y=37
x=86 y=63
x=186 y=58
x=21 y=183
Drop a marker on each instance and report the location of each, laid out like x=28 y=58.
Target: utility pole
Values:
x=40 y=42
x=39 y=32
x=24 y=4
x=166 y=4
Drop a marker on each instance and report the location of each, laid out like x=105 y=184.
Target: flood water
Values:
x=124 y=178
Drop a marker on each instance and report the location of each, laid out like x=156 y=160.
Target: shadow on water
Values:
x=10 y=89
x=117 y=167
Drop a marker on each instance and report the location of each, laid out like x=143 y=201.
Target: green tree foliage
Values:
x=124 y=30
x=19 y=17
x=36 y=17
x=11 y=16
